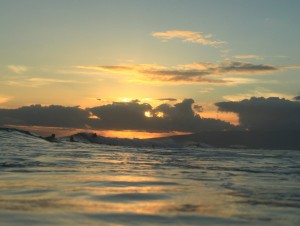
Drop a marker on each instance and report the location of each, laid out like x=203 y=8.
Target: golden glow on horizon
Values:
x=126 y=99
x=61 y=132
x=230 y=117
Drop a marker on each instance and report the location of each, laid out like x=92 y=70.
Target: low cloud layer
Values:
x=255 y=114
x=187 y=36
x=116 y=116
x=189 y=73
x=270 y=113
x=54 y=115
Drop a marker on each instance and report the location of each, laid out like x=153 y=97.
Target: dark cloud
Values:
x=54 y=115
x=167 y=99
x=242 y=67
x=198 y=72
x=198 y=108
x=297 y=98
x=122 y=115
x=265 y=113
x=165 y=117
x=193 y=76
x=115 y=116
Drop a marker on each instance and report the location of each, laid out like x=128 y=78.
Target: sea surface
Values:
x=44 y=183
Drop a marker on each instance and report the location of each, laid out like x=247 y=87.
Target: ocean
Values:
x=76 y=183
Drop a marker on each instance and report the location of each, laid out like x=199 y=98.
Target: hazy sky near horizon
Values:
x=91 y=53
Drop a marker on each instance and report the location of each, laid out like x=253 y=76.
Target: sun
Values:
x=160 y=114
x=148 y=114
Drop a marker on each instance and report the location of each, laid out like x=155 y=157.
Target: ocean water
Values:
x=43 y=183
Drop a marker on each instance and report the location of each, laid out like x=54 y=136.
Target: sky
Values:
x=184 y=61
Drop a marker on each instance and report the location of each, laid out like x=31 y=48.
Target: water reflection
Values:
x=84 y=184
x=107 y=193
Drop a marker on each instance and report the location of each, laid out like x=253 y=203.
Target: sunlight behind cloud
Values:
x=148 y=114
x=126 y=99
x=230 y=117
x=4 y=99
x=257 y=93
x=159 y=114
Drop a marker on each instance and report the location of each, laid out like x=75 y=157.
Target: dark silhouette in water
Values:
x=51 y=138
x=94 y=135
x=72 y=139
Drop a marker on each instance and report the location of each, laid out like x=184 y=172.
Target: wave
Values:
x=16 y=131
x=92 y=138
x=95 y=139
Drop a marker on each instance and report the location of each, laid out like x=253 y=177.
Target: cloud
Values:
x=199 y=72
x=37 y=82
x=163 y=118
x=297 y=98
x=235 y=67
x=122 y=115
x=249 y=57
x=53 y=115
x=238 y=80
x=167 y=99
x=115 y=116
x=187 y=36
x=198 y=108
x=262 y=113
x=271 y=113
x=18 y=69
x=157 y=73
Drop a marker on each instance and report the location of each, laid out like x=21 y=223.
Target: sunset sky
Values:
x=93 y=53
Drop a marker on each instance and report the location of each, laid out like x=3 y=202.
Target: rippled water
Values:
x=66 y=183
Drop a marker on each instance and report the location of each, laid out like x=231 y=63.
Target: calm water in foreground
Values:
x=44 y=183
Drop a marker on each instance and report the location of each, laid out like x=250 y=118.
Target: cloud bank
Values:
x=187 y=36
x=255 y=114
x=261 y=113
x=115 y=116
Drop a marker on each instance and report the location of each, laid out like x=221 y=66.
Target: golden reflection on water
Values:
x=120 y=194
